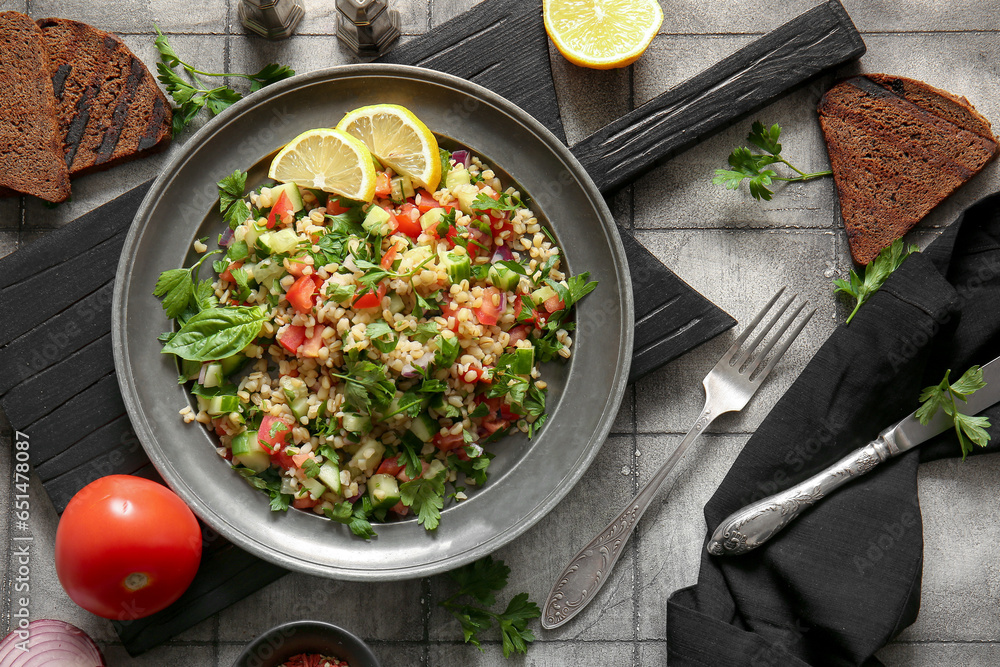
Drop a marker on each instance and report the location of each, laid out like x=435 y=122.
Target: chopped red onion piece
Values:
x=503 y=301
x=502 y=253
x=227 y=238
x=202 y=373
x=51 y=643
x=462 y=157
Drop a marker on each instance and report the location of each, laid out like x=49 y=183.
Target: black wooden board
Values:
x=57 y=380
x=751 y=78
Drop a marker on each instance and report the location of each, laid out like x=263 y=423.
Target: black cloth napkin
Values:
x=844 y=579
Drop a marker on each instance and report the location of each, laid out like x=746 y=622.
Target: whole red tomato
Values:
x=126 y=547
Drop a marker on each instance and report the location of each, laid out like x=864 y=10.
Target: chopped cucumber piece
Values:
x=222 y=405
x=329 y=474
x=459 y=267
x=502 y=277
x=368 y=456
x=396 y=194
x=283 y=240
x=314 y=487
x=465 y=198
x=294 y=196
x=424 y=427
x=233 y=364
x=407 y=184
x=377 y=221
x=542 y=294
x=247 y=451
x=266 y=271
x=457 y=175
x=213 y=375
x=431 y=218
x=383 y=491
x=355 y=423
x=297 y=395
x=396 y=304
x=524 y=361
x=253 y=232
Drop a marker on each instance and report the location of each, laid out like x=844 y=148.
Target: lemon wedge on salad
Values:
x=602 y=34
x=328 y=160
x=398 y=139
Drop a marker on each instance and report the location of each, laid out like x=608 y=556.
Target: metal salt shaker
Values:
x=367 y=27
x=274 y=19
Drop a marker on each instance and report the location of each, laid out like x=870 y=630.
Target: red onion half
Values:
x=49 y=643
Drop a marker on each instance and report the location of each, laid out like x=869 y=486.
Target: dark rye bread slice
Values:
x=898 y=147
x=31 y=159
x=109 y=106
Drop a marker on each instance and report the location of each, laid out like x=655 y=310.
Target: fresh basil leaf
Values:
x=217 y=333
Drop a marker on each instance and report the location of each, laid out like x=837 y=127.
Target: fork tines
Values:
x=750 y=359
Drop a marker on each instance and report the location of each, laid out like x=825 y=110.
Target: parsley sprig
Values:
x=754 y=167
x=876 y=273
x=194 y=95
x=969 y=429
x=480 y=581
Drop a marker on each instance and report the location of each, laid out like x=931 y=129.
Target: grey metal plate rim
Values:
x=528 y=478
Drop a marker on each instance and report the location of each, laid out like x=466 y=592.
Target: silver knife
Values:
x=756 y=523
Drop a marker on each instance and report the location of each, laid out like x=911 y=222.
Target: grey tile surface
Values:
x=731 y=248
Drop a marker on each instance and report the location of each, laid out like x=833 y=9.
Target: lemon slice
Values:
x=328 y=160
x=398 y=139
x=602 y=34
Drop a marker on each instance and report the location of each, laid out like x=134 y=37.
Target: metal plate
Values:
x=527 y=478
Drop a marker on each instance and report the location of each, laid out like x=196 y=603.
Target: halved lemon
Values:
x=328 y=160
x=398 y=139
x=602 y=34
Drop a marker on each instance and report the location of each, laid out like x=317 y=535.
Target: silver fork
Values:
x=728 y=388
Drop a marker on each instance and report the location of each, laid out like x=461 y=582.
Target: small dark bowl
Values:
x=282 y=642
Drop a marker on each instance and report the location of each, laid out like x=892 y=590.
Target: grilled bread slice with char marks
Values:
x=109 y=106
x=31 y=156
x=898 y=147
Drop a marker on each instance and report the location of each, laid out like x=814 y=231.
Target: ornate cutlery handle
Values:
x=589 y=569
x=756 y=523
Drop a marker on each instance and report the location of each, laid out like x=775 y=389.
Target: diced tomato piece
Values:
x=299 y=459
x=389 y=257
x=304 y=503
x=274 y=434
x=400 y=509
x=383 y=185
x=310 y=348
x=537 y=318
x=427 y=202
x=371 y=299
x=300 y=294
x=554 y=303
x=389 y=466
x=228 y=273
x=520 y=332
x=292 y=337
x=481 y=375
x=282 y=209
x=491 y=424
x=408 y=220
x=450 y=310
x=446 y=443
x=403 y=477
x=334 y=207
x=296 y=265
x=489 y=312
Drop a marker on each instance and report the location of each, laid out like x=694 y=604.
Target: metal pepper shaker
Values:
x=274 y=19
x=367 y=27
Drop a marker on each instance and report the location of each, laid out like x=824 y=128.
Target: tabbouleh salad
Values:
x=355 y=358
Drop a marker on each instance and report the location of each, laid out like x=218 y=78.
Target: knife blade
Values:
x=756 y=523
